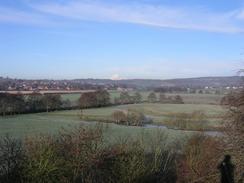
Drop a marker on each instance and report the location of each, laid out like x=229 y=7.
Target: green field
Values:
x=187 y=98
x=113 y=94
x=160 y=112
x=200 y=98
x=52 y=122
x=157 y=109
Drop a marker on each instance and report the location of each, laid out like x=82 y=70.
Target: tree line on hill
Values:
x=102 y=98
x=11 y=104
x=177 y=99
x=126 y=98
x=16 y=104
x=98 y=98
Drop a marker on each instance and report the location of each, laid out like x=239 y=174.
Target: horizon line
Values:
x=217 y=76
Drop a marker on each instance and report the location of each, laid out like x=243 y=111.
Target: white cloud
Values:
x=115 y=77
x=145 y=14
x=194 y=18
x=21 y=17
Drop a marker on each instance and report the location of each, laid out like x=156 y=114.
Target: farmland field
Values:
x=113 y=94
x=187 y=98
x=160 y=112
x=52 y=122
x=157 y=109
x=200 y=98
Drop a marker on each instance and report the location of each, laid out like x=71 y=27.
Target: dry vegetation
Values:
x=235 y=131
x=81 y=156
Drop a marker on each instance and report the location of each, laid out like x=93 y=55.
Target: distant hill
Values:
x=201 y=82
x=188 y=82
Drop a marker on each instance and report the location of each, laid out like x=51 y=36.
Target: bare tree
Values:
x=234 y=129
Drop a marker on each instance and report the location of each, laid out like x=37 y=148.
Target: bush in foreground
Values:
x=83 y=156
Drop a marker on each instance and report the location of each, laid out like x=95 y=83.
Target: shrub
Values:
x=135 y=118
x=42 y=161
x=196 y=120
x=130 y=118
x=119 y=117
x=82 y=156
x=11 y=159
x=200 y=159
x=234 y=130
x=178 y=99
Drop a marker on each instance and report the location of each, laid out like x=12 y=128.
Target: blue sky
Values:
x=117 y=39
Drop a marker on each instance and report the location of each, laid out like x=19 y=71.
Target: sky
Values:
x=121 y=39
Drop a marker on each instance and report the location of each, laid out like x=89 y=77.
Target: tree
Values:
x=94 y=99
x=11 y=104
x=103 y=98
x=125 y=98
x=4 y=103
x=178 y=99
x=88 y=100
x=234 y=129
x=137 y=97
x=162 y=98
x=52 y=101
x=152 y=98
x=18 y=103
x=35 y=102
x=66 y=104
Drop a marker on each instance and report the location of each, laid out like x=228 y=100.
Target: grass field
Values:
x=113 y=94
x=52 y=122
x=188 y=98
x=200 y=98
x=160 y=112
x=158 y=109
x=32 y=124
x=212 y=111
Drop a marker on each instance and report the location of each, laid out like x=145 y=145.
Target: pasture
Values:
x=52 y=123
x=187 y=98
x=73 y=97
x=160 y=112
x=156 y=109
x=30 y=124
